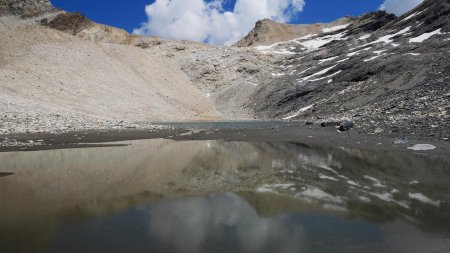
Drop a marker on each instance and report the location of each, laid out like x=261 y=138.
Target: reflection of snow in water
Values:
x=419 y=147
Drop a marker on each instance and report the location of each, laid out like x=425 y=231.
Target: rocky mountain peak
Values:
x=267 y=31
x=25 y=8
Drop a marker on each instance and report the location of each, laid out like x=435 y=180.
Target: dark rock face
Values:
x=390 y=75
x=25 y=8
x=68 y=22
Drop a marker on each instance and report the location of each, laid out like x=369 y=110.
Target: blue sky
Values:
x=220 y=22
x=128 y=14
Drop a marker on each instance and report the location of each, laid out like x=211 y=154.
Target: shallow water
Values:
x=209 y=125
x=215 y=196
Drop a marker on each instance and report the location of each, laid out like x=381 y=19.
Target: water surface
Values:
x=216 y=196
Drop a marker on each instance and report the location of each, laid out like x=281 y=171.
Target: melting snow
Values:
x=379 y=51
x=372 y=58
x=304 y=109
x=424 y=199
x=418 y=147
x=424 y=36
x=413 y=15
x=318 y=73
x=328 y=59
x=325 y=77
x=364 y=37
x=388 y=38
x=357 y=52
x=318 y=42
x=269 y=49
x=343 y=60
x=414 y=54
x=335 y=28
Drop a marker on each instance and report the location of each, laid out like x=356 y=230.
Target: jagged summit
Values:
x=25 y=8
x=267 y=31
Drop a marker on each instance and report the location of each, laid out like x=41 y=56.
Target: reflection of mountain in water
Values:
x=50 y=187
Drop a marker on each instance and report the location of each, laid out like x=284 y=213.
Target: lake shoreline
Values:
x=295 y=133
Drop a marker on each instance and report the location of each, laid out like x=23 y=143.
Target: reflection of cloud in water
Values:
x=228 y=223
x=187 y=224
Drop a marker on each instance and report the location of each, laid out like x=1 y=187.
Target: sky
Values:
x=220 y=22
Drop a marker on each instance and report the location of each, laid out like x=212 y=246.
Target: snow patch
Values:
x=413 y=15
x=328 y=59
x=364 y=37
x=424 y=36
x=304 y=109
x=278 y=74
x=335 y=28
x=319 y=73
x=372 y=58
x=318 y=42
x=357 y=52
x=325 y=77
x=388 y=38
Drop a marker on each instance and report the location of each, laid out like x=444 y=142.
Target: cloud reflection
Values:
x=221 y=221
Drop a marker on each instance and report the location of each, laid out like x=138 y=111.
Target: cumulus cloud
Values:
x=207 y=21
x=399 y=7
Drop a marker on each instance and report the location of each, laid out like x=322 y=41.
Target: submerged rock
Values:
x=346 y=125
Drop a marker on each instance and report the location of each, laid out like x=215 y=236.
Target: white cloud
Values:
x=399 y=7
x=206 y=21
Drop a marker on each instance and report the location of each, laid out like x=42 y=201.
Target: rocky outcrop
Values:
x=78 y=25
x=25 y=8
